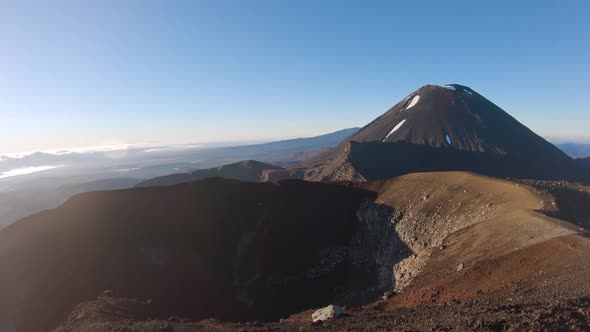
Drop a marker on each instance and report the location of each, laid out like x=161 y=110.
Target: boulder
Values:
x=387 y=295
x=460 y=266
x=326 y=313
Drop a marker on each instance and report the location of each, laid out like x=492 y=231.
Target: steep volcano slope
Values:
x=248 y=170
x=457 y=117
x=212 y=248
x=442 y=128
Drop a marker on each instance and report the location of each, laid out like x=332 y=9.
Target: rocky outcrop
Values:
x=376 y=244
x=428 y=207
x=365 y=262
x=423 y=232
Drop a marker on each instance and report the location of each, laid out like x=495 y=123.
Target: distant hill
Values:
x=248 y=170
x=281 y=153
x=284 y=153
x=576 y=150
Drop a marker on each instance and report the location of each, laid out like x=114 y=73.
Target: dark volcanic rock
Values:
x=460 y=119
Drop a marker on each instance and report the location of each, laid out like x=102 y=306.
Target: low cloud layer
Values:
x=26 y=170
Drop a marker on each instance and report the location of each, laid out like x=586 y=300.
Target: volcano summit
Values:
x=441 y=128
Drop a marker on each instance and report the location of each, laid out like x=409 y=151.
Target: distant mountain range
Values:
x=28 y=194
x=281 y=153
x=277 y=151
x=575 y=150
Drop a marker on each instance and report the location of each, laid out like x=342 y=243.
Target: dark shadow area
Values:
x=573 y=206
x=376 y=160
x=213 y=248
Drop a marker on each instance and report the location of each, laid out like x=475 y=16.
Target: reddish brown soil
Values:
x=556 y=267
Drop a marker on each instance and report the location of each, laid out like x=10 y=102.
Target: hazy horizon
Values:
x=181 y=145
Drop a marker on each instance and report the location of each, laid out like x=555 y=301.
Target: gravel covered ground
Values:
x=105 y=314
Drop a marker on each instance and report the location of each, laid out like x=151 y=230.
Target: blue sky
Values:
x=86 y=73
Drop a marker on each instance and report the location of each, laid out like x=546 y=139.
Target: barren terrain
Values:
x=485 y=254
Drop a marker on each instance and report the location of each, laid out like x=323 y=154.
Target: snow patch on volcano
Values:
x=449 y=87
x=394 y=129
x=413 y=102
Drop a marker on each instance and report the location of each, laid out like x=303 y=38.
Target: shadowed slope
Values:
x=221 y=248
